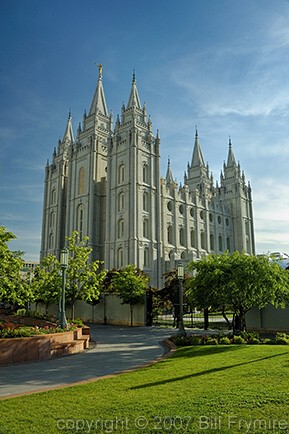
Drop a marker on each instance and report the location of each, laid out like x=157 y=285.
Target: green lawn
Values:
x=204 y=389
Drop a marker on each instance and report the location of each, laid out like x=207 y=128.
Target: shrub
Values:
x=212 y=341
x=268 y=341
x=239 y=340
x=21 y=312
x=282 y=339
x=224 y=340
x=251 y=337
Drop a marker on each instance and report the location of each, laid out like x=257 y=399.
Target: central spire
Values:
x=197 y=157
x=134 y=100
x=98 y=103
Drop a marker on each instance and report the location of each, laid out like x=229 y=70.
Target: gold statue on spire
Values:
x=99 y=69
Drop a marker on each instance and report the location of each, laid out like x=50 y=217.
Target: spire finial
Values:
x=196 y=128
x=133 y=76
x=99 y=65
x=230 y=143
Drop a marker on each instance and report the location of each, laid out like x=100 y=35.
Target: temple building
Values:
x=106 y=184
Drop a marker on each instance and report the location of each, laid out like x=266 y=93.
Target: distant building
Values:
x=106 y=184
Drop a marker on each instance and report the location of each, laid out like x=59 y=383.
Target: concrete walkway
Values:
x=117 y=349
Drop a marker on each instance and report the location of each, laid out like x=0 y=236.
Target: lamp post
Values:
x=63 y=265
x=181 y=278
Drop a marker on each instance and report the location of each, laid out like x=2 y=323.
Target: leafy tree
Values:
x=46 y=283
x=238 y=282
x=130 y=284
x=13 y=289
x=83 y=279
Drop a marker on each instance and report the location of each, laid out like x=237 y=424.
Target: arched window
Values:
x=80 y=215
x=146 y=257
x=203 y=241
x=228 y=245
x=193 y=238
x=52 y=219
x=120 y=228
x=145 y=228
x=120 y=257
x=170 y=234
x=145 y=177
x=51 y=240
x=145 y=201
x=120 y=205
x=81 y=180
x=182 y=237
x=220 y=243
x=53 y=197
x=121 y=174
x=212 y=246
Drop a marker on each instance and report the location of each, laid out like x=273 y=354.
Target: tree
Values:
x=46 y=283
x=130 y=284
x=13 y=289
x=238 y=282
x=83 y=279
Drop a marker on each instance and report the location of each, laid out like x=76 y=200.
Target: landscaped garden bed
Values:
x=249 y=338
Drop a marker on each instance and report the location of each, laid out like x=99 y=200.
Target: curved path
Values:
x=118 y=349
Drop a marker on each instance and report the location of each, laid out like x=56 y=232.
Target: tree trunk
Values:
x=131 y=315
x=206 y=318
x=226 y=319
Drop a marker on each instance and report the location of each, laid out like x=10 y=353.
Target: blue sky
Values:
x=219 y=64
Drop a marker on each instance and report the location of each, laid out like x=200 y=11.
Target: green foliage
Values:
x=237 y=282
x=46 y=283
x=239 y=340
x=224 y=340
x=130 y=284
x=21 y=312
x=13 y=289
x=84 y=279
x=282 y=339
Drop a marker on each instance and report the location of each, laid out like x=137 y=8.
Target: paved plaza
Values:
x=117 y=349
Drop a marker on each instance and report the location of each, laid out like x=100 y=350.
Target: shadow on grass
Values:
x=203 y=350
x=207 y=371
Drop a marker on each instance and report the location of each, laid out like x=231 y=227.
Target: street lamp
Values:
x=63 y=265
x=181 y=278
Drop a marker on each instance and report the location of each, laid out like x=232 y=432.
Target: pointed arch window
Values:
x=81 y=180
x=228 y=244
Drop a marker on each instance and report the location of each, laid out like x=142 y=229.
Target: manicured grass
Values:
x=202 y=389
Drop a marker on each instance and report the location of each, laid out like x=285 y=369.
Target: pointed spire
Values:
x=98 y=103
x=231 y=158
x=197 y=158
x=68 y=134
x=134 y=100
x=169 y=175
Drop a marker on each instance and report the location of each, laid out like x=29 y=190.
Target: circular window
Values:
x=211 y=217
x=202 y=215
x=181 y=209
x=169 y=206
x=192 y=212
